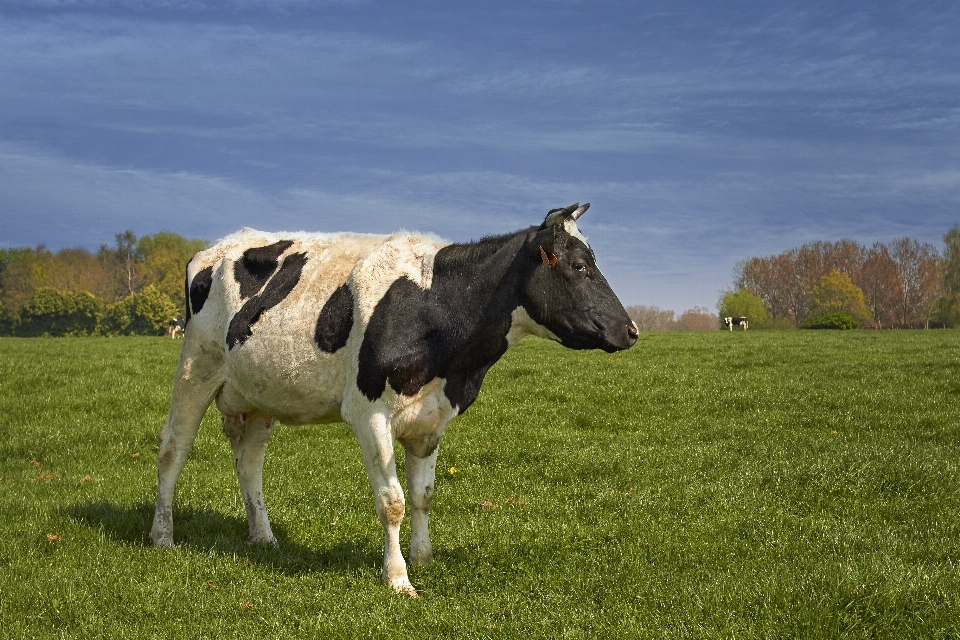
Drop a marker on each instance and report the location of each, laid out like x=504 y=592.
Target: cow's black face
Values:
x=566 y=293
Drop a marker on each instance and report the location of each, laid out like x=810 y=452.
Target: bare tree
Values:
x=126 y=255
x=651 y=318
x=878 y=280
x=846 y=256
x=919 y=281
x=769 y=279
x=697 y=319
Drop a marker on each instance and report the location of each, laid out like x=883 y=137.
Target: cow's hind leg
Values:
x=196 y=383
x=421 y=473
x=249 y=434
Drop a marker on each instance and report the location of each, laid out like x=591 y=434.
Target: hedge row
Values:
x=53 y=312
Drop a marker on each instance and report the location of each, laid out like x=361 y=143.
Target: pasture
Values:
x=701 y=485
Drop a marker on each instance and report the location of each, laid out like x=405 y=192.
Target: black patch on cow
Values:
x=275 y=291
x=335 y=320
x=257 y=265
x=456 y=329
x=199 y=290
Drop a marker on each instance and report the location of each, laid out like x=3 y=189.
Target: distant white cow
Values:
x=737 y=322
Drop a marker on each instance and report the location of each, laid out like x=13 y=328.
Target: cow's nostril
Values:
x=632 y=330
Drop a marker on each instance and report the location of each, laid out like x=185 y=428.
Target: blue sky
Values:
x=702 y=133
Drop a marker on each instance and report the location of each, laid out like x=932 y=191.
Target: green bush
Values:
x=836 y=294
x=946 y=312
x=52 y=312
x=6 y=322
x=837 y=320
x=145 y=313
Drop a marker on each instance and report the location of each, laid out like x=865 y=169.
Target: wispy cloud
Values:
x=166 y=6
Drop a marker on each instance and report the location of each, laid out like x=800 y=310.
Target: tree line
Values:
x=653 y=318
x=134 y=287
x=904 y=283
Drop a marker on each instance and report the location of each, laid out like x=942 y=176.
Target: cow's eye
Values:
x=579 y=266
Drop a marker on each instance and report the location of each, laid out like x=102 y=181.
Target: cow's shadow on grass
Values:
x=209 y=530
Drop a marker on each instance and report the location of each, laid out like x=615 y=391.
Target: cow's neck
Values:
x=475 y=288
x=477 y=285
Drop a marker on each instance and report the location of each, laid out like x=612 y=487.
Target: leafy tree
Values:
x=77 y=269
x=21 y=272
x=163 y=262
x=147 y=313
x=945 y=312
x=836 y=293
x=951 y=260
x=9 y=257
x=52 y=312
x=744 y=304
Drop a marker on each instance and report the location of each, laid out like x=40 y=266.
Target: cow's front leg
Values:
x=376 y=443
x=249 y=434
x=421 y=473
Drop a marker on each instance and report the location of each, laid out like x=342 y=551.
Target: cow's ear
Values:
x=544 y=241
x=558 y=216
x=543 y=246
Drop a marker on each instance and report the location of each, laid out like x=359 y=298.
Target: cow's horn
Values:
x=580 y=210
x=557 y=216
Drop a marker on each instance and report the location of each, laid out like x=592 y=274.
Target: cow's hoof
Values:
x=404 y=588
x=163 y=542
x=269 y=543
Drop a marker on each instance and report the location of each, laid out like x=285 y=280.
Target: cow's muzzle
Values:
x=623 y=337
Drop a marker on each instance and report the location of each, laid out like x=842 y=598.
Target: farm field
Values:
x=701 y=485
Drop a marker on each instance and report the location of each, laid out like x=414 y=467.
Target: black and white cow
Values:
x=737 y=322
x=391 y=334
x=175 y=328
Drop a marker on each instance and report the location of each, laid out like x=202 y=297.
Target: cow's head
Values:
x=567 y=294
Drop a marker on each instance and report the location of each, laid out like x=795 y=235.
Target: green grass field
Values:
x=725 y=485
